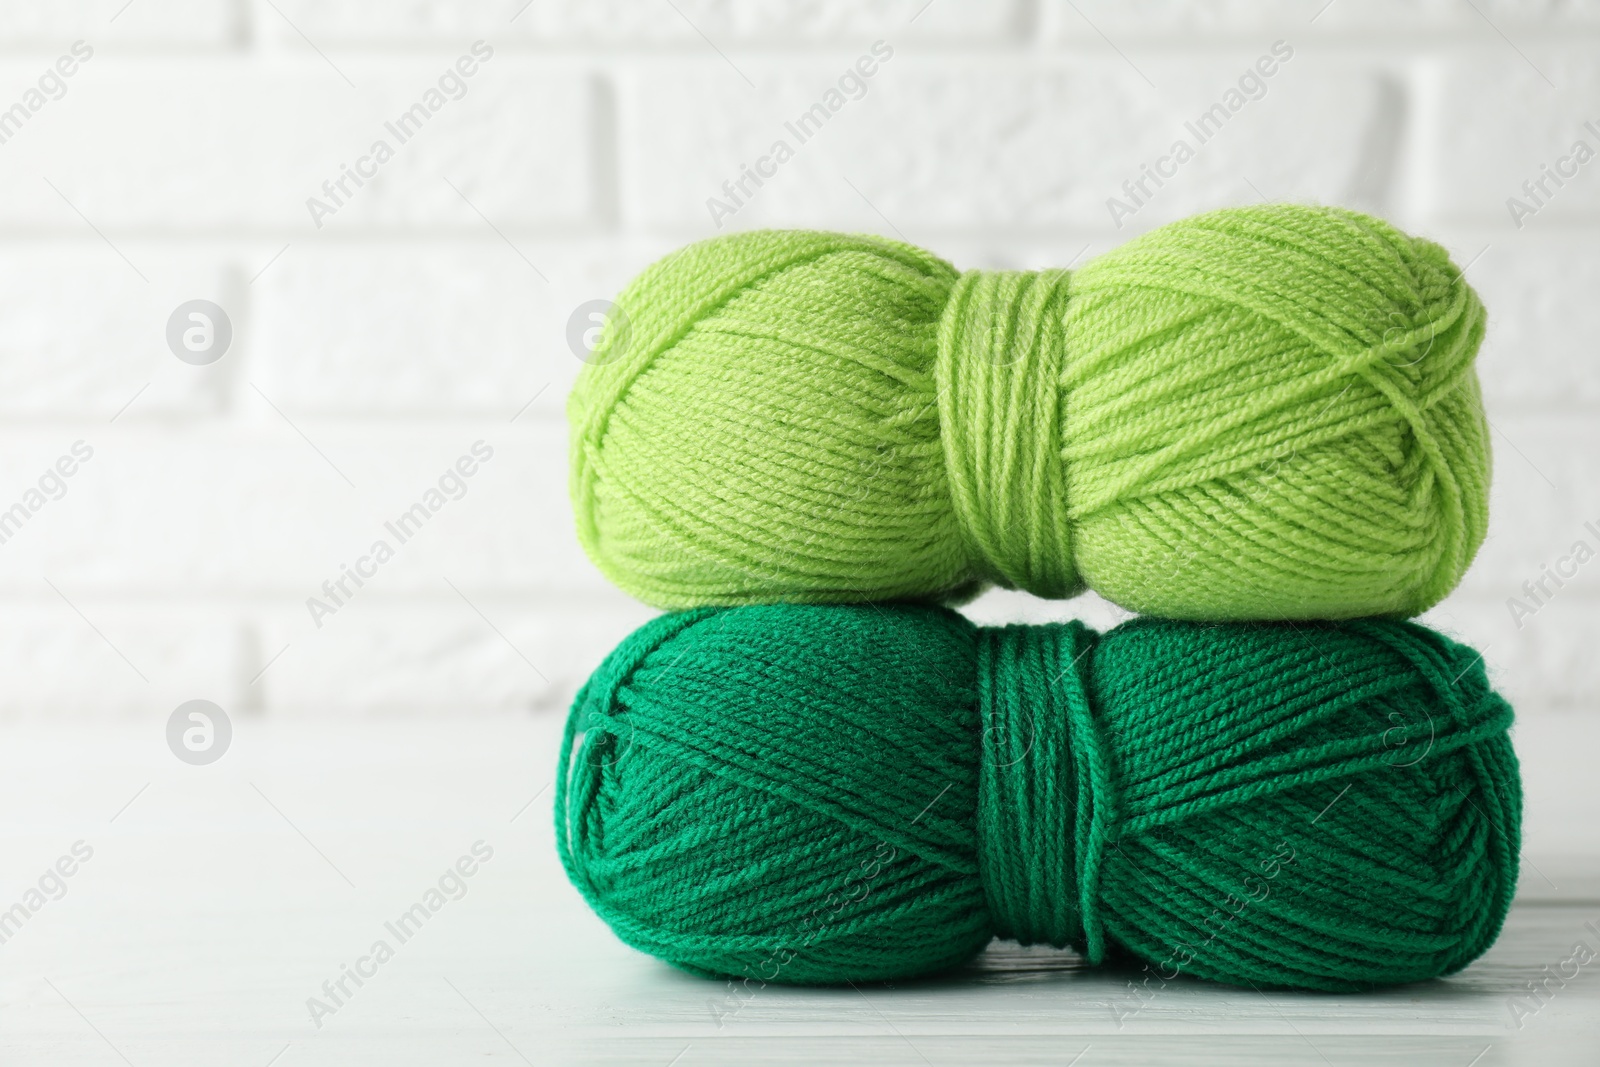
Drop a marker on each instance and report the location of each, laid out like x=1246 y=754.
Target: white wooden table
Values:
x=219 y=899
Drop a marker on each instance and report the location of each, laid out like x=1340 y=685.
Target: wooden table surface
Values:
x=219 y=899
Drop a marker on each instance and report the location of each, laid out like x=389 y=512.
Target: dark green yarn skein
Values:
x=811 y=794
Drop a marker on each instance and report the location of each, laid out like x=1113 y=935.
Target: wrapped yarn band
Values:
x=1001 y=342
x=814 y=794
x=1043 y=787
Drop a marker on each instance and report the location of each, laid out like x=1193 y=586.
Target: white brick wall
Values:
x=967 y=144
x=430 y=311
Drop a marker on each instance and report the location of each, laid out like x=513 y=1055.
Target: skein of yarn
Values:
x=1264 y=412
x=816 y=794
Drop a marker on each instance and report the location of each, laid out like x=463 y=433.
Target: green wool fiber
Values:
x=1264 y=412
x=823 y=794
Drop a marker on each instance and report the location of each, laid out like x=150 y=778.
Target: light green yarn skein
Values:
x=1265 y=412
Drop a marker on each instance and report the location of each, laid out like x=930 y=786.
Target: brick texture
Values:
x=931 y=145
x=219 y=145
x=437 y=303
x=684 y=23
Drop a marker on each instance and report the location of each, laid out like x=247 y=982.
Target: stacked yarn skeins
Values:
x=1264 y=414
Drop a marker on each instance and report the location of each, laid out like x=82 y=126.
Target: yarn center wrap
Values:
x=1002 y=340
x=1045 y=799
